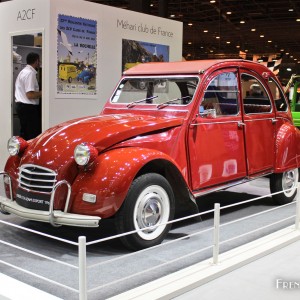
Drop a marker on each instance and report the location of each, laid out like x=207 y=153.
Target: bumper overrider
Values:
x=54 y=217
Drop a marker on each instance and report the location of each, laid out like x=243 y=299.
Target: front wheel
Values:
x=284 y=181
x=149 y=203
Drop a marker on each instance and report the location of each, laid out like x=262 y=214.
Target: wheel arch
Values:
x=184 y=201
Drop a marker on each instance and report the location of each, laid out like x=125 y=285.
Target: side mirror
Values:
x=207 y=113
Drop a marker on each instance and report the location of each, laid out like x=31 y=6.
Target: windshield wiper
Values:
x=131 y=104
x=161 y=105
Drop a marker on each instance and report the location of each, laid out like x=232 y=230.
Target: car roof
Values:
x=189 y=67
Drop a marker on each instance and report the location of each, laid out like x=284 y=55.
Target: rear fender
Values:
x=109 y=179
x=287 y=148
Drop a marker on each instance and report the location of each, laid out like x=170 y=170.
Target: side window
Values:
x=278 y=96
x=221 y=96
x=255 y=97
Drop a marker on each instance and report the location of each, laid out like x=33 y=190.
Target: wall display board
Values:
x=84 y=49
x=76 y=55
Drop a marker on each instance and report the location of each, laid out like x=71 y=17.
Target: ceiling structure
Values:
x=230 y=28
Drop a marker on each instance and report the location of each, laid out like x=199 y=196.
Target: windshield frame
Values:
x=192 y=77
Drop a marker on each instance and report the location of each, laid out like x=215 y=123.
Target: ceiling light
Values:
x=212 y=1
x=287 y=53
x=217 y=37
x=289 y=69
x=190 y=24
x=297 y=20
x=238 y=46
x=295 y=59
x=261 y=36
x=246 y=50
x=227 y=42
x=189 y=43
x=291 y=56
x=269 y=41
x=281 y=50
x=253 y=29
x=211 y=51
x=291 y=9
x=229 y=13
x=242 y=22
x=172 y=16
x=205 y=30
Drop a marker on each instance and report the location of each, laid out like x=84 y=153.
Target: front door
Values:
x=216 y=134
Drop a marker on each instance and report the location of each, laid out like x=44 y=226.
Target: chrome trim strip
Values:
x=229 y=185
x=210 y=123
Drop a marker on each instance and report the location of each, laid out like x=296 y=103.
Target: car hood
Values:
x=56 y=145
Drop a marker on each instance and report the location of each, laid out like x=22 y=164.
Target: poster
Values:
x=136 y=52
x=76 y=56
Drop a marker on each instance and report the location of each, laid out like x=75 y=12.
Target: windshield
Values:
x=169 y=91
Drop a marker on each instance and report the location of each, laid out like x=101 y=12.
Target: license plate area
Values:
x=33 y=200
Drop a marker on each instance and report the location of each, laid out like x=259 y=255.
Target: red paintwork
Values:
x=207 y=155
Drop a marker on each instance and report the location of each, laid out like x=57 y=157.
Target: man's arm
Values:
x=34 y=95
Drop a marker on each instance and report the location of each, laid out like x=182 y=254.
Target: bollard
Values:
x=297 y=207
x=216 y=247
x=82 y=268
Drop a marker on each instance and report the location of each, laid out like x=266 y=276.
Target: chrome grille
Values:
x=36 y=178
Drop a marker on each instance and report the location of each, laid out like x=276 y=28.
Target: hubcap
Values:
x=289 y=181
x=152 y=208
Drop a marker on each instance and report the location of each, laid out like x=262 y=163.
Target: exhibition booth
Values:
x=84 y=47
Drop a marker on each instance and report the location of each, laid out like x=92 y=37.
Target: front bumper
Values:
x=57 y=217
x=54 y=217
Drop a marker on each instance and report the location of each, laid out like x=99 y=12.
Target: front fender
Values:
x=287 y=148
x=109 y=178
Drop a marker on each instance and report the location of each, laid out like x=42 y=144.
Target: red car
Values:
x=170 y=133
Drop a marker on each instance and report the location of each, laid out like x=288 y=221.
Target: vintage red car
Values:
x=170 y=133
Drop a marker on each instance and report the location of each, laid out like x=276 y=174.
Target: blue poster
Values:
x=76 y=55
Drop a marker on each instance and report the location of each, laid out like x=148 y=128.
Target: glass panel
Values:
x=255 y=97
x=221 y=96
x=278 y=96
x=176 y=90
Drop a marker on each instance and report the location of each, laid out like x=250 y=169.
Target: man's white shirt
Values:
x=26 y=82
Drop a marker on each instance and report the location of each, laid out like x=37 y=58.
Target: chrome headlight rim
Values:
x=16 y=145
x=84 y=154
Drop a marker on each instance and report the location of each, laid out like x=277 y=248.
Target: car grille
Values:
x=36 y=178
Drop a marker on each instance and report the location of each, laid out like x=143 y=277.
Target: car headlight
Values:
x=16 y=145
x=84 y=154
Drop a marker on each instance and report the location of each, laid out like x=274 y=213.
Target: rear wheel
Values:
x=284 y=181
x=149 y=203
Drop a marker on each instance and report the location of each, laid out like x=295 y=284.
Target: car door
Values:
x=215 y=137
x=260 y=124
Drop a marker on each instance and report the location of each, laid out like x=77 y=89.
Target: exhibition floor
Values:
x=257 y=278
x=262 y=279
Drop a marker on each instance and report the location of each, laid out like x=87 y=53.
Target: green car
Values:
x=294 y=97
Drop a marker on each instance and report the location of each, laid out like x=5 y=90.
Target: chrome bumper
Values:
x=58 y=217
x=54 y=217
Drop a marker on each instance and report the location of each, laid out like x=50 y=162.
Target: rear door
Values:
x=259 y=124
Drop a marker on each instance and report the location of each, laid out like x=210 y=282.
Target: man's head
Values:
x=33 y=59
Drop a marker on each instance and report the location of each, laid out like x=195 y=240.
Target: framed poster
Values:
x=76 y=56
x=136 y=52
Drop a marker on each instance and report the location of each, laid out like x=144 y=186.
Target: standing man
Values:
x=27 y=97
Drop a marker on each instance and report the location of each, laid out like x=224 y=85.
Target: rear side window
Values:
x=221 y=96
x=278 y=96
x=255 y=97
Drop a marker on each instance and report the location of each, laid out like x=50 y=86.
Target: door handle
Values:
x=274 y=121
x=241 y=124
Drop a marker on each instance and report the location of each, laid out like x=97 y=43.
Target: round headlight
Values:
x=16 y=145
x=85 y=153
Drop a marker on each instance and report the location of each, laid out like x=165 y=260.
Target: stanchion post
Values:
x=216 y=247
x=82 y=268
x=297 y=207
